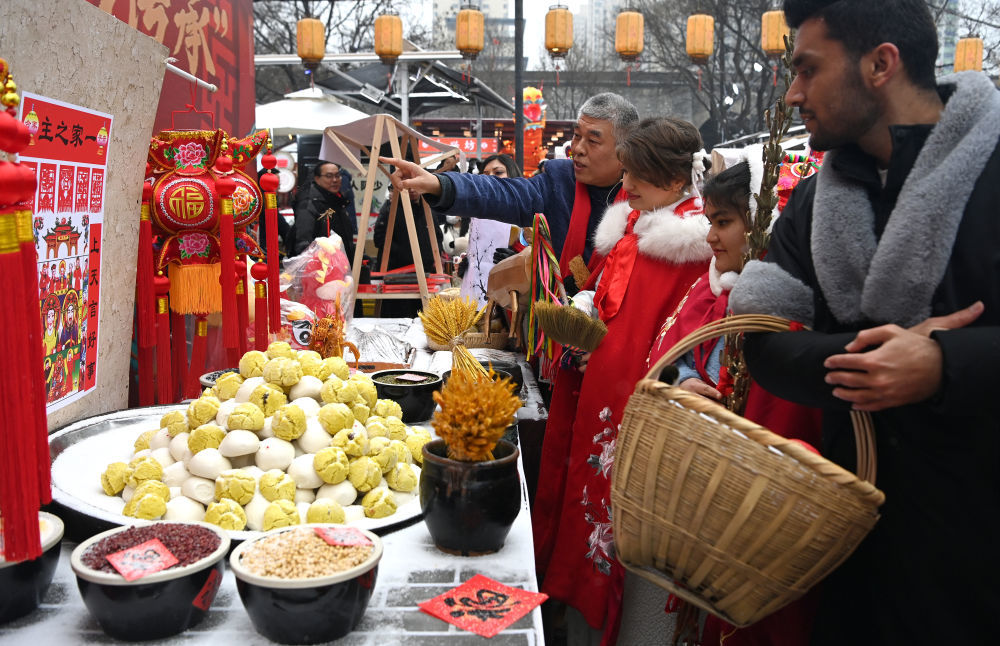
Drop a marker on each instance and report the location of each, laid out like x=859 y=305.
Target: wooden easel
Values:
x=388 y=128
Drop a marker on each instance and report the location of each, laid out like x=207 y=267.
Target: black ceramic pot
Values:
x=23 y=584
x=156 y=606
x=512 y=368
x=469 y=507
x=307 y=610
x=416 y=400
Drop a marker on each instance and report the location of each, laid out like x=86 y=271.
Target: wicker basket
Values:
x=724 y=513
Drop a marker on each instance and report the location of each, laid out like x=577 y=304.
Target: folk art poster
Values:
x=68 y=152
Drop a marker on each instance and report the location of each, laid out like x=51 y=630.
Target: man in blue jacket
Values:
x=571 y=193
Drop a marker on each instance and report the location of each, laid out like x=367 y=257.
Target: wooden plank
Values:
x=418 y=262
x=366 y=203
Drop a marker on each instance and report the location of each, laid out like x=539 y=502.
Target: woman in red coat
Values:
x=730 y=208
x=654 y=247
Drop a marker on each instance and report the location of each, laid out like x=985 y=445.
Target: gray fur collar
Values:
x=893 y=280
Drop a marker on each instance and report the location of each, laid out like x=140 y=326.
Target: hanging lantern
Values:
x=469 y=31
x=558 y=31
x=102 y=140
x=31 y=123
x=969 y=55
x=700 y=37
x=388 y=37
x=628 y=39
x=700 y=40
x=628 y=35
x=310 y=39
x=773 y=30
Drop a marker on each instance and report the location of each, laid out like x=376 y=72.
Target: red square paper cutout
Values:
x=142 y=559
x=482 y=605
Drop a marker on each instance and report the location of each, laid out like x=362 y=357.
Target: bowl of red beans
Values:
x=152 y=580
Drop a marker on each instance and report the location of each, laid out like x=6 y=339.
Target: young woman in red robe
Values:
x=730 y=209
x=653 y=248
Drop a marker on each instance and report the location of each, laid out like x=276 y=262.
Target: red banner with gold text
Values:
x=211 y=39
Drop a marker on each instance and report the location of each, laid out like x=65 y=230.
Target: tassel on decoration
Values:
x=178 y=347
x=19 y=493
x=35 y=354
x=164 y=376
x=260 y=339
x=227 y=242
x=33 y=332
x=269 y=184
x=145 y=299
x=242 y=305
x=22 y=460
x=188 y=293
x=199 y=351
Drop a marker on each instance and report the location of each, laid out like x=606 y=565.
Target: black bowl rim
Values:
x=107 y=578
x=405 y=371
x=47 y=544
x=314 y=582
x=433 y=457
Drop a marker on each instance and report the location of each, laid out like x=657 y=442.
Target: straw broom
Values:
x=566 y=325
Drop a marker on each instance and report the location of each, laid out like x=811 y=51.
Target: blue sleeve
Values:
x=513 y=200
x=686 y=369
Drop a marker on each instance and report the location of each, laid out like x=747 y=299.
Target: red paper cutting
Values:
x=482 y=605
x=342 y=536
x=142 y=559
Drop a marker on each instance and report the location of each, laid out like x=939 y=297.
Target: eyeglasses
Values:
x=329 y=175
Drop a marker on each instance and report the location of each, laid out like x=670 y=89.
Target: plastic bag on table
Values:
x=296 y=325
x=319 y=277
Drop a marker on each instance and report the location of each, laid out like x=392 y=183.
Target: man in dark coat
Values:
x=891 y=254
x=320 y=208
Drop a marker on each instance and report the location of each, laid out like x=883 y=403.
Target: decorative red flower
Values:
x=190 y=154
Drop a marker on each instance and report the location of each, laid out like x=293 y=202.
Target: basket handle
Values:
x=864 y=432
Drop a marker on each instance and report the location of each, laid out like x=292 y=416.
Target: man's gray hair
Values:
x=608 y=106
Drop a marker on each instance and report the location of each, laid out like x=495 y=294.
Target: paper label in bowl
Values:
x=412 y=377
x=142 y=559
x=342 y=536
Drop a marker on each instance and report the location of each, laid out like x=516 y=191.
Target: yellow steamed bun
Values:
x=252 y=364
x=227 y=514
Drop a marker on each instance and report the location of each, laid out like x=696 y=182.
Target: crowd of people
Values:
x=888 y=256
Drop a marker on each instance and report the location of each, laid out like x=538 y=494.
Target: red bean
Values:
x=189 y=543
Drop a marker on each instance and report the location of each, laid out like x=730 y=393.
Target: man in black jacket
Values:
x=321 y=208
x=891 y=254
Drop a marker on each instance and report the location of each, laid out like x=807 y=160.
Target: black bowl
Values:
x=306 y=611
x=416 y=400
x=156 y=606
x=209 y=378
x=23 y=584
x=498 y=374
x=512 y=368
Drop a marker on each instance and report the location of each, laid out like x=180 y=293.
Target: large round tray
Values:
x=82 y=450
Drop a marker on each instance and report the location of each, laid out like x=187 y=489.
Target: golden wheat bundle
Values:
x=463 y=361
x=474 y=414
x=445 y=321
x=567 y=325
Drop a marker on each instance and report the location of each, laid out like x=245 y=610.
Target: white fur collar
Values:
x=720 y=282
x=663 y=234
